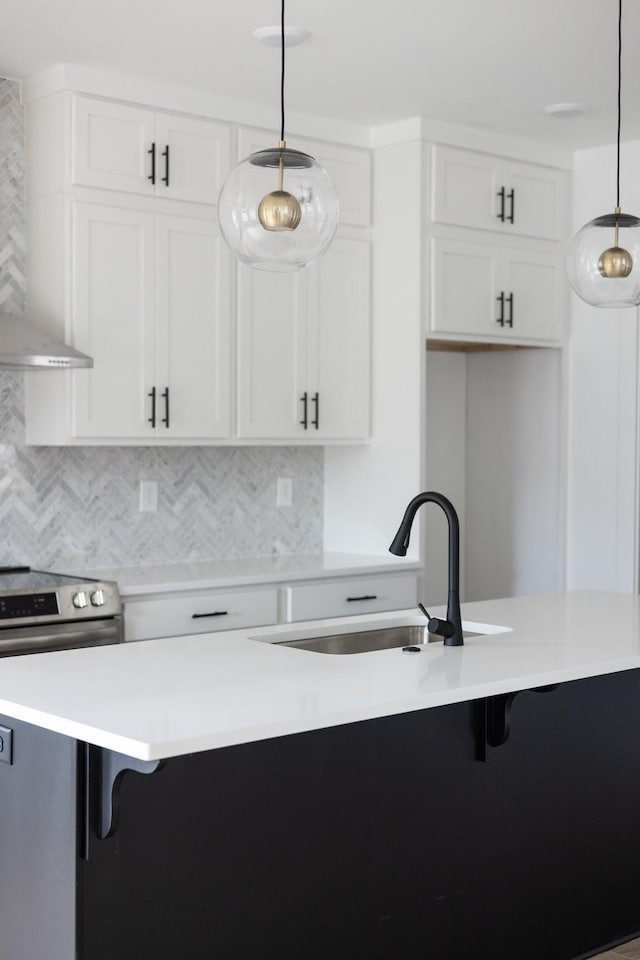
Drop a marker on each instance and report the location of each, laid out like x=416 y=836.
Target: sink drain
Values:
x=411 y=649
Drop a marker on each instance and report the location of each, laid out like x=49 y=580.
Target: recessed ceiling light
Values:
x=566 y=110
x=271 y=36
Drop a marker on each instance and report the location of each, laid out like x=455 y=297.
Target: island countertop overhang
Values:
x=157 y=699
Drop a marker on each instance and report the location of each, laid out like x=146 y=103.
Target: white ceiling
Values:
x=492 y=64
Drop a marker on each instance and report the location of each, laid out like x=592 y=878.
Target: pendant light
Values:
x=603 y=261
x=278 y=209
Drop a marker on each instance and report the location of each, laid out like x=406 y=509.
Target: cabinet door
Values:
x=537 y=203
x=272 y=354
x=193 y=158
x=113 y=321
x=535 y=284
x=465 y=281
x=110 y=146
x=464 y=188
x=193 y=329
x=338 y=345
x=485 y=192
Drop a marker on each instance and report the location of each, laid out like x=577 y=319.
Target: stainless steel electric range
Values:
x=41 y=611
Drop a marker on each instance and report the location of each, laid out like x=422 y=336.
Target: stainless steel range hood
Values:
x=25 y=347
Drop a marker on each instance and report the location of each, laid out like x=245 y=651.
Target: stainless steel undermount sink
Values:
x=367 y=638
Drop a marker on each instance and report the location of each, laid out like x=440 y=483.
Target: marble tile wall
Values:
x=65 y=506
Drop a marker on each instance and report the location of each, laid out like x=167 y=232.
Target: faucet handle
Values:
x=442 y=628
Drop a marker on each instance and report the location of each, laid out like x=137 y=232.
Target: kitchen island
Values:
x=224 y=796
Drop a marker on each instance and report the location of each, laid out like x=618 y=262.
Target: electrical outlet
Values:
x=148 y=496
x=284 y=492
x=6 y=745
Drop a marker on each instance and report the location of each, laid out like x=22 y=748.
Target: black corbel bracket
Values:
x=107 y=769
x=495 y=720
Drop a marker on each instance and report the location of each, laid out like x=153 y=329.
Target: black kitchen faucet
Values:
x=451 y=628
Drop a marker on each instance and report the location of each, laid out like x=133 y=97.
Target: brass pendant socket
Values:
x=279 y=210
x=615 y=263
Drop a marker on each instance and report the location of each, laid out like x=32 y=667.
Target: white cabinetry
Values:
x=126 y=264
x=494 y=291
x=117 y=146
x=151 y=307
x=353 y=597
x=304 y=339
x=202 y=611
x=486 y=192
x=495 y=264
x=303 y=349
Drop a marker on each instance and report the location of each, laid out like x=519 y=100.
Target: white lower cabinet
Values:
x=495 y=292
x=351 y=597
x=204 y=611
x=303 y=349
x=199 y=612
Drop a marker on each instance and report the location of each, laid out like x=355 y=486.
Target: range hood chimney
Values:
x=25 y=347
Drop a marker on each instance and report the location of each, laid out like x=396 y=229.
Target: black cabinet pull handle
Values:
x=315 y=399
x=214 y=613
x=152 y=418
x=165 y=397
x=509 y=320
x=512 y=197
x=305 y=410
x=500 y=300
x=367 y=596
x=165 y=154
x=152 y=175
x=501 y=194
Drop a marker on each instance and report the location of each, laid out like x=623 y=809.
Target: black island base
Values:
x=500 y=828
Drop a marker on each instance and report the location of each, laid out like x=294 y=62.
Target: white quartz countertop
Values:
x=213 y=574
x=161 y=698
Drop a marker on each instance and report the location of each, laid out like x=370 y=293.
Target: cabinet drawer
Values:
x=339 y=599
x=199 y=613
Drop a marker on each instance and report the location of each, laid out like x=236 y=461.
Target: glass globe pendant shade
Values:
x=603 y=261
x=278 y=210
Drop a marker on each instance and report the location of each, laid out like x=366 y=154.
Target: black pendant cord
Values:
x=282 y=74
x=619 y=99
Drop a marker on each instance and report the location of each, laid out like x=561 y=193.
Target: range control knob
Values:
x=97 y=598
x=80 y=599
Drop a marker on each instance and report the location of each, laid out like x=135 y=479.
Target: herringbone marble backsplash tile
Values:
x=66 y=505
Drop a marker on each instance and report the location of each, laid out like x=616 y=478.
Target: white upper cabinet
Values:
x=303 y=349
x=113 y=320
x=495 y=292
x=150 y=302
x=485 y=192
x=117 y=146
x=348 y=167
x=339 y=348
x=151 y=306
x=127 y=264
x=193 y=323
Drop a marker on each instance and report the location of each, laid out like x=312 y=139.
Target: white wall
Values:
x=446 y=468
x=367 y=488
x=494 y=441
x=602 y=528
x=514 y=473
